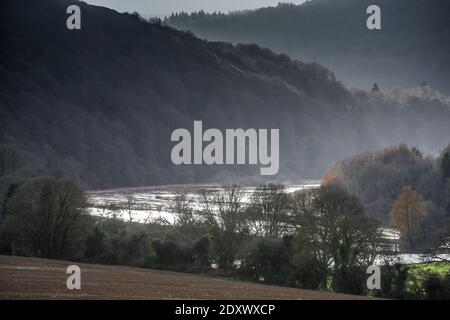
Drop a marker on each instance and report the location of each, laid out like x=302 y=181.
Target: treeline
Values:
x=403 y=188
x=334 y=34
x=318 y=239
x=100 y=104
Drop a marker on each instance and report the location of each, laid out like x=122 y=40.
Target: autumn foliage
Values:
x=406 y=214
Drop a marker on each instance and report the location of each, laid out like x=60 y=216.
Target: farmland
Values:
x=32 y=278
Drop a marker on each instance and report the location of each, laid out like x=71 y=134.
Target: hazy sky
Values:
x=168 y=6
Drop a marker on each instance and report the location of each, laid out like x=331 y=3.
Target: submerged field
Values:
x=151 y=204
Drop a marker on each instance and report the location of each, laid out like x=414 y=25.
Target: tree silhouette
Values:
x=445 y=165
x=375 y=88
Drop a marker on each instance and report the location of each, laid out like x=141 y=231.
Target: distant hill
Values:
x=100 y=104
x=413 y=45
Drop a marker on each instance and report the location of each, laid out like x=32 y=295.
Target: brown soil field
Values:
x=31 y=278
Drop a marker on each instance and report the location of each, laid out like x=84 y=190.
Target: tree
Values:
x=337 y=238
x=437 y=287
x=3 y=203
x=406 y=214
x=96 y=246
x=446 y=197
x=45 y=216
x=171 y=255
x=394 y=278
x=201 y=251
x=223 y=245
x=181 y=205
x=267 y=260
x=445 y=165
x=375 y=88
x=129 y=207
x=224 y=208
x=268 y=215
x=11 y=168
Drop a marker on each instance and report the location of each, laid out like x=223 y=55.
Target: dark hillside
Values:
x=100 y=104
x=412 y=47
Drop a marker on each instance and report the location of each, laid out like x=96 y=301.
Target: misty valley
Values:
x=269 y=153
x=160 y=205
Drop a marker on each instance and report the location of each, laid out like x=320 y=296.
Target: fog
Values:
x=162 y=7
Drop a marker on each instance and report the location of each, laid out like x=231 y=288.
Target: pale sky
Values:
x=148 y=7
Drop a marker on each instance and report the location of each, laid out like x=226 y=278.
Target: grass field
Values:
x=418 y=273
x=440 y=268
x=31 y=278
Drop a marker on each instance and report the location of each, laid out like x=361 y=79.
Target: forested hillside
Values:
x=379 y=179
x=100 y=104
x=412 y=47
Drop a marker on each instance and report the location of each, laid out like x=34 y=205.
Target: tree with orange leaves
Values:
x=406 y=213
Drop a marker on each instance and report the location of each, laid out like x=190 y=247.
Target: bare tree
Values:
x=45 y=215
x=224 y=208
x=440 y=248
x=129 y=204
x=268 y=215
x=112 y=211
x=181 y=205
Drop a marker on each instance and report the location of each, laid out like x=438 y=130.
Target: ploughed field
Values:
x=32 y=278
